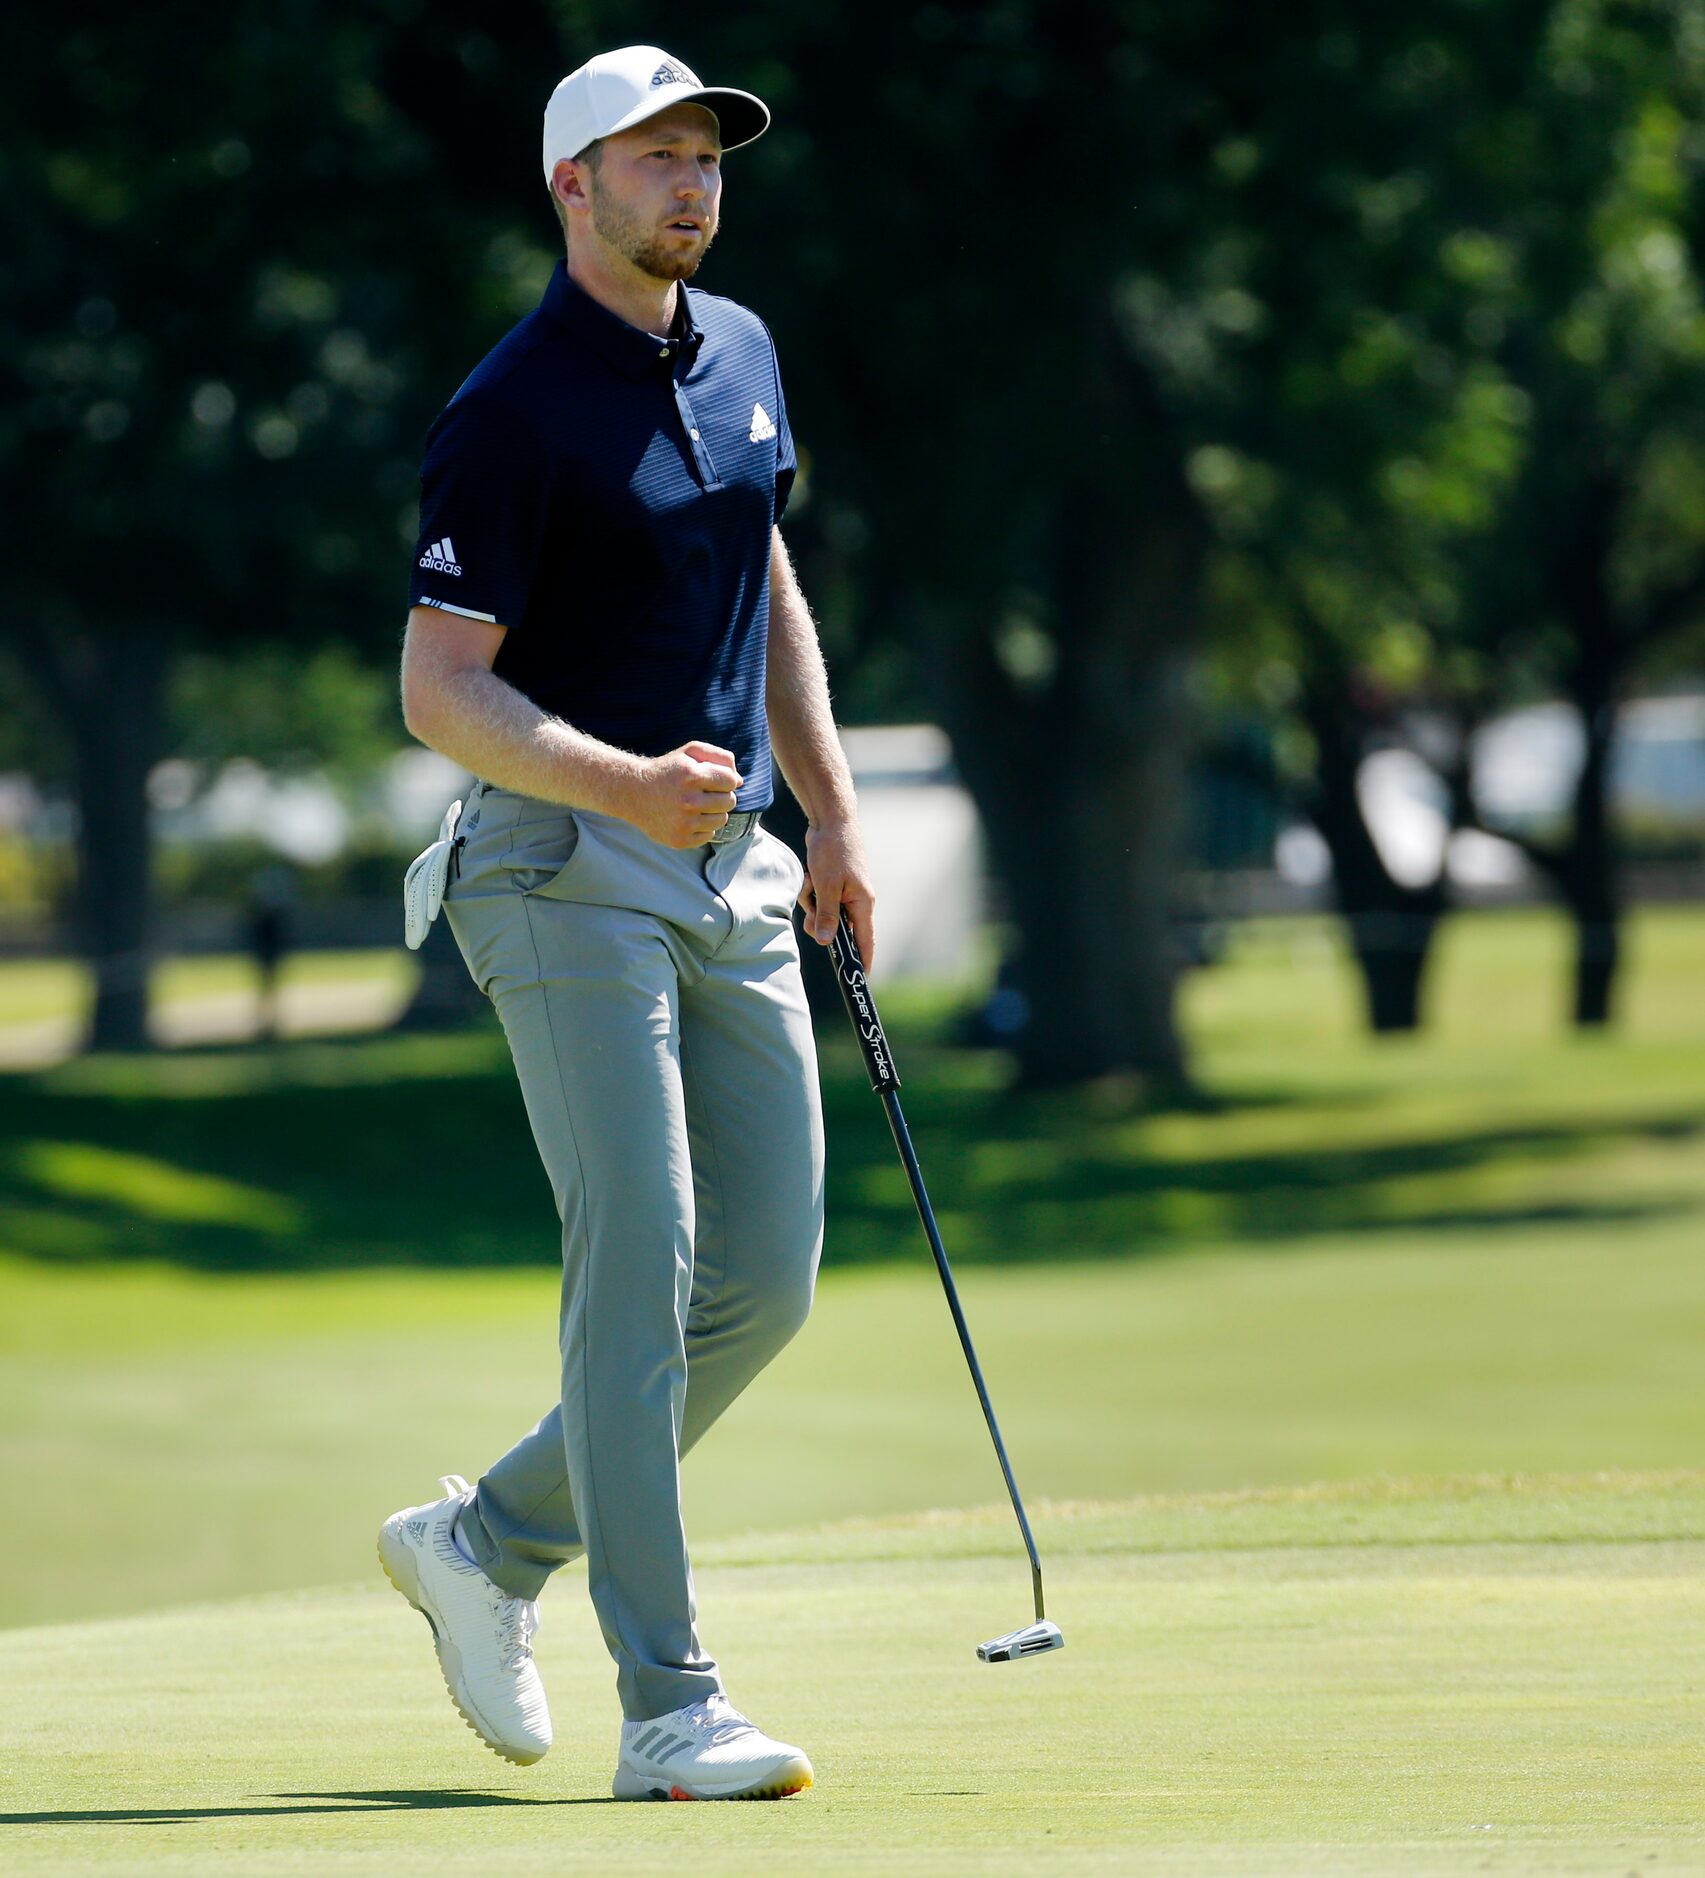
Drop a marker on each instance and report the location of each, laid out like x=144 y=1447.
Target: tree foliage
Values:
x=1360 y=345
x=223 y=329
x=1510 y=517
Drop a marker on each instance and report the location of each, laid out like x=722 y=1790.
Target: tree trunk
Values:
x=1086 y=852
x=1590 y=877
x=1393 y=950
x=1082 y=783
x=1586 y=869
x=107 y=686
x=1391 y=925
x=1598 y=955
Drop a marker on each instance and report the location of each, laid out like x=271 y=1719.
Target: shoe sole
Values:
x=398 y=1564
x=628 y=1785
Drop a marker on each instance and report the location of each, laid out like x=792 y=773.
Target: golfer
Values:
x=605 y=629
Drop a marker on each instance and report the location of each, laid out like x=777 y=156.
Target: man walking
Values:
x=605 y=629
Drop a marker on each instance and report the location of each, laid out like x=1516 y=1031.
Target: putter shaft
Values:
x=885 y=1080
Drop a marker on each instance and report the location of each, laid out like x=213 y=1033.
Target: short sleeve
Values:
x=787 y=460
x=484 y=504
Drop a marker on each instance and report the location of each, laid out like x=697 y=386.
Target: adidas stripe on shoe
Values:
x=706 y=1751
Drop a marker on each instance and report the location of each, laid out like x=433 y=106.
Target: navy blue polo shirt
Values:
x=607 y=496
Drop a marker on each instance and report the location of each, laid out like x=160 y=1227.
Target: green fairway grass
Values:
x=1357 y=1395
x=1488 y=1675
x=415 y=1150
x=250 y=1433
x=229 y=1326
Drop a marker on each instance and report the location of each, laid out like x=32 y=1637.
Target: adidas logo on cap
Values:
x=441 y=558
x=669 y=73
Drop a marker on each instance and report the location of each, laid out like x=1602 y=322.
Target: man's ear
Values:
x=568 y=182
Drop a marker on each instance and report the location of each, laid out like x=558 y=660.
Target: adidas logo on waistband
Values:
x=441 y=558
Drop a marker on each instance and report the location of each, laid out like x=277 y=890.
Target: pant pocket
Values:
x=543 y=853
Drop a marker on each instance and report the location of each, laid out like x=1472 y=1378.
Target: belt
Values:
x=736 y=827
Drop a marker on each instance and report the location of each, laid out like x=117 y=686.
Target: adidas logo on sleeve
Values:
x=763 y=425
x=441 y=557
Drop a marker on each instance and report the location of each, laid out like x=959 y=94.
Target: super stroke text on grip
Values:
x=870 y=1029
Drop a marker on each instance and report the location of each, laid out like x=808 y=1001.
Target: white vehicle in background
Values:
x=925 y=842
x=1525 y=765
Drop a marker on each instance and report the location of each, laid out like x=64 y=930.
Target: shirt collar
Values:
x=637 y=354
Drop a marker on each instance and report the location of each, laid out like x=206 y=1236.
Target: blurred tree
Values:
x=996 y=464
x=236 y=286
x=1466 y=466
x=1091 y=282
x=1594 y=217
x=328 y=709
x=1341 y=452
x=1097 y=326
x=1153 y=274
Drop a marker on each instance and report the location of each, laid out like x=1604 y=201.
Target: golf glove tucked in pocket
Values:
x=423 y=884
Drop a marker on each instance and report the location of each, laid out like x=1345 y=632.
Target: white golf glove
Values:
x=423 y=884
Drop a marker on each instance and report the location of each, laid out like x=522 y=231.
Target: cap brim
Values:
x=740 y=118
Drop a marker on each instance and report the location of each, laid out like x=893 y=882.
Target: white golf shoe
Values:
x=706 y=1751
x=484 y=1637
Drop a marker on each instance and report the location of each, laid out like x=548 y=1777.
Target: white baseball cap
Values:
x=618 y=89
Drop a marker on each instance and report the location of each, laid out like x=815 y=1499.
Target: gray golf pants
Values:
x=654 y=1008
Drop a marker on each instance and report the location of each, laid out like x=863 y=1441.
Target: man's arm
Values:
x=802 y=735
x=455 y=703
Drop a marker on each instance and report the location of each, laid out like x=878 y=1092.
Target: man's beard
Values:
x=647 y=248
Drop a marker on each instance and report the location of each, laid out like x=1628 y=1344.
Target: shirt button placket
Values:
x=701 y=456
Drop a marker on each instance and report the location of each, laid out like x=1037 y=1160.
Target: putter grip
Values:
x=861 y=1008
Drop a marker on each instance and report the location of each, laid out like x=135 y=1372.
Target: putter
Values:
x=1032 y=1639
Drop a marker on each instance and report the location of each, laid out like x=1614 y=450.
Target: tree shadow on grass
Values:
x=417 y=1153
x=400 y=1800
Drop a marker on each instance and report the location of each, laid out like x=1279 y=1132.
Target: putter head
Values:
x=1032 y=1640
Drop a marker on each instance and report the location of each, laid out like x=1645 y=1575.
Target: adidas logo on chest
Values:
x=763 y=425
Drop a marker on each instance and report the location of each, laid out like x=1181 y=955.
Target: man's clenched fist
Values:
x=683 y=798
